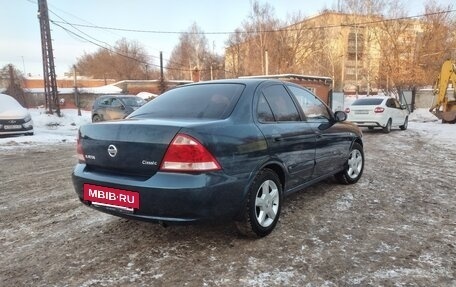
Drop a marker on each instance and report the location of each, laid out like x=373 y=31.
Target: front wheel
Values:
x=405 y=125
x=262 y=209
x=353 y=167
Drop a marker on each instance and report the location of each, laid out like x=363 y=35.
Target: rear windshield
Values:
x=206 y=101
x=133 y=101
x=367 y=102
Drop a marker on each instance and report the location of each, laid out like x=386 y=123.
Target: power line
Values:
x=260 y=31
x=121 y=54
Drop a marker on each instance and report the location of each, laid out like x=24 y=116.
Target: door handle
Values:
x=277 y=138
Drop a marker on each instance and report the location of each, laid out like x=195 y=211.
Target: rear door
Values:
x=116 y=110
x=290 y=140
x=401 y=113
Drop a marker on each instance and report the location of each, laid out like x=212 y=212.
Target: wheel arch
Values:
x=276 y=167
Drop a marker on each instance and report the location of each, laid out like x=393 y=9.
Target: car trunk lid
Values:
x=126 y=147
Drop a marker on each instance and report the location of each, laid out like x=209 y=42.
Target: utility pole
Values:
x=162 y=77
x=76 y=94
x=50 y=81
x=266 y=60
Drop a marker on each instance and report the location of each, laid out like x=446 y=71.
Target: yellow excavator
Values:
x=444 y=103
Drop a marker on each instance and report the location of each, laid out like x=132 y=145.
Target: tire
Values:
x=387 y=128
x=354 y=166
x=96 y=118
x=405 y=125
x=262 y=209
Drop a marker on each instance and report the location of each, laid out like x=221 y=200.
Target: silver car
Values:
x=14 y=118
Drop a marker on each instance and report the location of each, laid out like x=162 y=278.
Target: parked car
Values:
x=114 y=107
x=14 y=118
x=228 y=149
x=379 y=111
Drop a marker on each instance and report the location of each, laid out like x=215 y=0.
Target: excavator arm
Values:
x=444 y=104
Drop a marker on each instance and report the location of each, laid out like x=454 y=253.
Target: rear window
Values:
x=367 y=102
x=206 y=101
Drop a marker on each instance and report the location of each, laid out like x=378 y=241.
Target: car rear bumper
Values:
x=368 y=124
x=171 y=197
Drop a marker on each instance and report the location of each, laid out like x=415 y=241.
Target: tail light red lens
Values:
x=188 y=154
x=79 y=151
x=379 y=110
x=347 y=110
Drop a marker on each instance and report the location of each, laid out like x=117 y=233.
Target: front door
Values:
x=290 y=140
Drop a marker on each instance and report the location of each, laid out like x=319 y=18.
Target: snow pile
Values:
x=423 y=116
x=49 y=129
x=146 y=95
x=108 y=89
x=429 y=126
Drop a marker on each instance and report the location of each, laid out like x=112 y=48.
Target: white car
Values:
x=378 y=111
x=14 y=119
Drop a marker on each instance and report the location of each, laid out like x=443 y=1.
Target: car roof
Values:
x=236 y=81
x=117 y=96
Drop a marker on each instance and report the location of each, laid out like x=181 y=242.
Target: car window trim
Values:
x=303 y=115
x=260 y=92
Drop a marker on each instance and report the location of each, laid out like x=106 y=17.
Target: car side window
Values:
x=105 y=102
x=388 y=103
x=282 y=106
x=116 y=103
x=314 y=109
x=391 y=104
x=264 y=112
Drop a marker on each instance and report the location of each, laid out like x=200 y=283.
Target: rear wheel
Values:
x=354 y=166
x=96 y=118
x=387 y=128
x=405 y=125
x=262 y=209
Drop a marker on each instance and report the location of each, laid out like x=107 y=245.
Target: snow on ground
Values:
x=51 y=129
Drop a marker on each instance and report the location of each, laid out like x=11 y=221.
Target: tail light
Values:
x=187 y=154
x=378 y=110
x=347 y=110
x=79 y=150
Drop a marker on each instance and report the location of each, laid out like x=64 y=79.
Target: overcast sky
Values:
x=20 y=42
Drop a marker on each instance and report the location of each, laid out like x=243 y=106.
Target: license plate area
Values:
x=111 y=197
x=362 y=112
x=12 y=127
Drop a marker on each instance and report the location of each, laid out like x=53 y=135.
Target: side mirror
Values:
x=340 y=116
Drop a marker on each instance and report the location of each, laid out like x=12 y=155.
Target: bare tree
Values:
x=235 y=54
x=127 y=60
x=325 y=56
x=436 y=42
x=296 y=44
x=192 y=52
x=12 y=80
